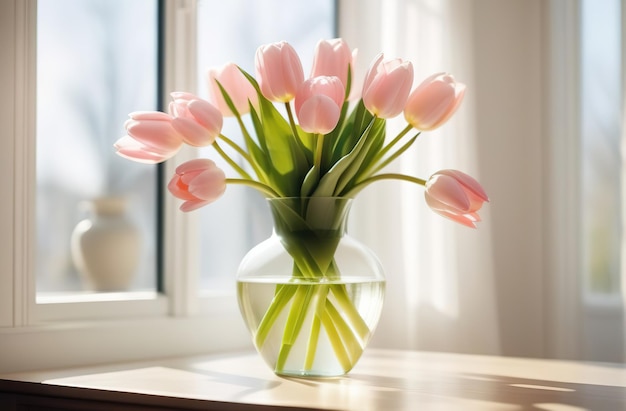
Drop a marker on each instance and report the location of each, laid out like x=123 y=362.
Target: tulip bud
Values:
x=333 y=58
x=455 y=195
x=278 y=71
x=151 y=138
x=386 y=87
x=197 y=120
x=433 y=102
x=198 y=182
x=239 y=89
x=318 y=104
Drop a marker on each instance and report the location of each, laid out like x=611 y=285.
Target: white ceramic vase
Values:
x=106 y=246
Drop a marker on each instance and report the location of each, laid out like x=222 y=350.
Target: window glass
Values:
x=96 y=62
x=601 y=130
x=231 y=32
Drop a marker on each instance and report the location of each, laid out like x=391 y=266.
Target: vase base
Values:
x=309 y=376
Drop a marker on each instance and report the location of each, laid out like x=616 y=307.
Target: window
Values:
x=236 y=222
x=49 y=309
x=601 y=139
x=93 y=74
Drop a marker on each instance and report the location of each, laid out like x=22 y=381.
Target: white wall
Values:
x=512 y=286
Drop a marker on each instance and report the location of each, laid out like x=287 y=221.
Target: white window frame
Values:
x=578 y=323
x=51 y=335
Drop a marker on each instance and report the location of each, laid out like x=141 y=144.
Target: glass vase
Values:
x=311 y=295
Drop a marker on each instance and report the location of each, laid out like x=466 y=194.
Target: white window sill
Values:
x=80 y=341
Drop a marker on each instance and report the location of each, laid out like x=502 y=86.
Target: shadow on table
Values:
x=524 y=394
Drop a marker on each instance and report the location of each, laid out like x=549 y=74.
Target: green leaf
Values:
x=373 y=137
x=352 y=130
x=310 y=181
x=328 y=183
x=287 y=163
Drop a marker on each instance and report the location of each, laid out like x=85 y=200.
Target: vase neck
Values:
x=106 y=206
x=323 y=215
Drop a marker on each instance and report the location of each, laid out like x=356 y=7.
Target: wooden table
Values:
x=383 y=380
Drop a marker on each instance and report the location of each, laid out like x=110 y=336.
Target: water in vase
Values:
x=311 y=328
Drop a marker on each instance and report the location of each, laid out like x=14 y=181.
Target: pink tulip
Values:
x=318 y=104
x=433 y=102
x=386 y=87
x=197 y=120
x=333 y=58
x=278 y=71
x=239 y=89
x=198 y=182
x=456 y=196
x=151 y=138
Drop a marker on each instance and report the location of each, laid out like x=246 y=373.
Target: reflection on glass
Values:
x=231 y=32
x=91 y=72
x=601 y=80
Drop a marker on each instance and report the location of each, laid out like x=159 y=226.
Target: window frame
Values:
x=181 y=320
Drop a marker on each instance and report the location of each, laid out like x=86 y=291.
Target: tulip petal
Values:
x=206 y=114
x=178 y=188
x=455 y=195
x=319 y=114
x=209 y=184
x=434 y=101
x=194 y=165
x=468 y=181
x=448 y=191
x=192 y=133
x=132 y=149
x=158 y=134
x=387 y=86
x=149 y=115
x=191 y=205
x=458 y=218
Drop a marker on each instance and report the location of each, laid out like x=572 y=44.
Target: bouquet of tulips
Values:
x=312 y=137
x=326 y=152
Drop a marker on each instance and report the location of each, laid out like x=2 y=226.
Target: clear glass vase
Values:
x=311 y=295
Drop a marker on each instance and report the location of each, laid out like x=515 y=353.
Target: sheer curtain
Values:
x=450 y=288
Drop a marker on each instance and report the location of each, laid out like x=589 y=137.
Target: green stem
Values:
x=292 y=122
x=335 y=340
x=231 y=162
x=294 y=128
x=395 y=155
x=388 y=176
x=311 y=347
x=352 y=347
x=249 y=142
x=378 y=157
x=283 y=295
x=263 y=188
x=319 y=150
x=243 y=153
x=394 y=142
x=297 y=314
x=259 y=172
x=320 y=303
x=354 y=318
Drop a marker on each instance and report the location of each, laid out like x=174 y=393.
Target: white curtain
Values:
x=450 y=288
x=440 y=286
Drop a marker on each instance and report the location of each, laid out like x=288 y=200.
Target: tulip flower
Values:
x=239 y=89
x=278 y=71
x=198 y=182
x=333 y=58
x=455 y=195
x=433 y=102
x=318 y=104
x=151 y=138
x=386 y=87
x=197 y=120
